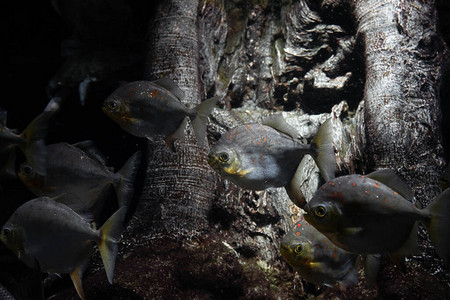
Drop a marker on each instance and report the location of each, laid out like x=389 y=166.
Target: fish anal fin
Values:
x=371 y=268
x=76 y=275
x=293 y=188
x=409 y=248
x=179 y=134
x=392 y=180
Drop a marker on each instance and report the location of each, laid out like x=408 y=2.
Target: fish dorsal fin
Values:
x=278 y=123
x=89 y=148
x=171 y=87
x=392 y=180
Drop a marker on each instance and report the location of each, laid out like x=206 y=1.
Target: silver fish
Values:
x=259 y=156
x=316 y=259
x=59 y=240
x=374 y=214
x=78 y=177
x=154 y=109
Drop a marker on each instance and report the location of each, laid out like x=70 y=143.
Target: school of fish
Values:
x=348 y=217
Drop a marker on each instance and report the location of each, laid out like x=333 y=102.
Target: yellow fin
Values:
x=110 y=234
x=76 y=276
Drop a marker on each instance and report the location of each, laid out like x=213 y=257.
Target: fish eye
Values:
x=112 y=105
x=224 y=157
x=27 y=170
x=320 y=211
x=298 y=249
x=6 y=232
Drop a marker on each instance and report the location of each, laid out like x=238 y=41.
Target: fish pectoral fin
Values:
x=243 y=172
x=350 y=231
x=76 y=275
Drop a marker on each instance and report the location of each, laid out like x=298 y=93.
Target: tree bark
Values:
x=179 y=188
x=404 y=56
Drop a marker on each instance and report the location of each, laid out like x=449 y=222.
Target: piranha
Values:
x=52 y=236
x=31 y=141
x=77 y=176
x=154 y=109
x=374 y=214
x=258 y=156
x=316 y=259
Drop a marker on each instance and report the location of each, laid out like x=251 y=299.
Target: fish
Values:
x=257 y=156
x=153 y=109
x=77 y=176
x=316 y=258
x=52 y=236
x=31 y=141
x=374 y=214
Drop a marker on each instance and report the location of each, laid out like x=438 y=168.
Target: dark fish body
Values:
x=373 y=214
x=60 y=240
x=77 y=177
x=258 y=156
x=154 y=109
x=316 y=258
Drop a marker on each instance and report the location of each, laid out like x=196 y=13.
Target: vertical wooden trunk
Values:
x=403 y=54
x=179 y=185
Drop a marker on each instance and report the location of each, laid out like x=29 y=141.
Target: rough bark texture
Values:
x=404 y=55
x=195 y=235
x=178 y=191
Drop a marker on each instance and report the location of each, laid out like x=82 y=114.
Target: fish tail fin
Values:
x=34 y=135
x=324 y=152
x=199 y=123
x=110 y=234
x=124 y=190
x=438 y=225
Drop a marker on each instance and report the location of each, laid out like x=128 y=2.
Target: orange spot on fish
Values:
x=362 y=176
x=299 y=225
x=264 y=139
x=298 y=233
x=331 y=183
x=229 y=136
x=248 y=126
x=367 y=192
x=153 y=94
x=259 y=143
x=353 y=184
x=335 y=255
x=377 y=185
x=395 y=193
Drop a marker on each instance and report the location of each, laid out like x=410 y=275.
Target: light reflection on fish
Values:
x=59 y=240
x=154 y=109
